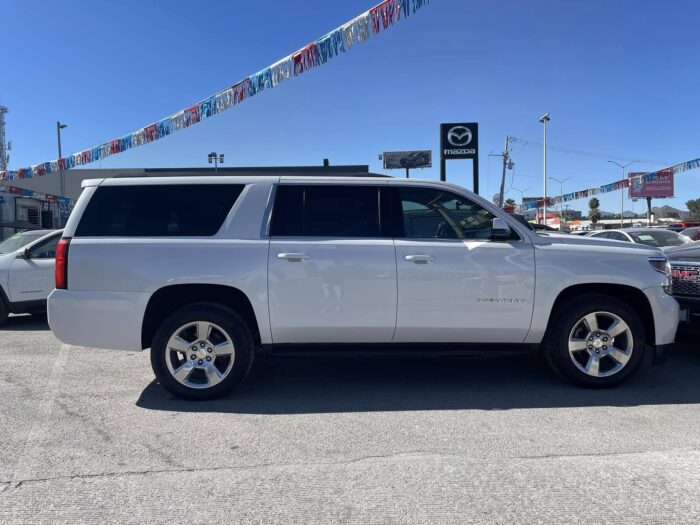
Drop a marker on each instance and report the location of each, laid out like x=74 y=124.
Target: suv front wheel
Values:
x=596 y=341
x=202 y=351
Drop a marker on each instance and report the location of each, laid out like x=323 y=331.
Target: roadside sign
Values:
x=658 y=188
x=394 y=160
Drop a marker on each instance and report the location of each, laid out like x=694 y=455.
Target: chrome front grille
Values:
x=686 y=279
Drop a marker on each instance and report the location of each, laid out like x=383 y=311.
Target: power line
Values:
x=574 y=151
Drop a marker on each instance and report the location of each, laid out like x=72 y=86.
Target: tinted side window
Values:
x=195 y=210
x=430 y=213
x=326 y=211
x=46 y=249
x=288 y=212
x=617 y=236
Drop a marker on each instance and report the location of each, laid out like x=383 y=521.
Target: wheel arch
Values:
x=633 y=297
x=166 y=300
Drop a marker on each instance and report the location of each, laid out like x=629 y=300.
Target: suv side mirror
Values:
x=500 y=231
x=25 y=254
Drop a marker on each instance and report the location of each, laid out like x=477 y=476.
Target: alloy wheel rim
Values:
x=600 y=344
x=200 y=355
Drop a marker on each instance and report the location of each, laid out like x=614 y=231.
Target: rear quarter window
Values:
x=182 y=210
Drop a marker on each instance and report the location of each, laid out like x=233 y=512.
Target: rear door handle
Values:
x=419 y=258
x=293 y=256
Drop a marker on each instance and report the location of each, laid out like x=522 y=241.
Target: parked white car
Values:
x=27 y=271
x=207 y=271
x=655 y=237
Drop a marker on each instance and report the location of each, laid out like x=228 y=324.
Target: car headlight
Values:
x=662 y=265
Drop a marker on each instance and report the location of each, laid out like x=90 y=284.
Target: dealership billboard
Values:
x=658 y=188
x=394 y=160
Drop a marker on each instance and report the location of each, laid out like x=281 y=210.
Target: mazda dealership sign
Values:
x=459 y=141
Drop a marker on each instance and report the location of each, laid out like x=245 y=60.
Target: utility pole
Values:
x=4 y=146
x=506 y=163
x=543 y=120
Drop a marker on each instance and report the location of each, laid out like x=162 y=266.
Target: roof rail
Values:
x=271 y=173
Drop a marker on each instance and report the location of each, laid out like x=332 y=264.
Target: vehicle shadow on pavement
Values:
x=22 y=323
x=315 y=385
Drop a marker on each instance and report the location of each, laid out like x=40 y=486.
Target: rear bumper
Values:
x=98 y=319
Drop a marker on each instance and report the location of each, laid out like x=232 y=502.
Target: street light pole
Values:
x=622 y=190
x=216 y=158
x=522 y=194
x=61 y=175
x=561 y=198
x=544 y=119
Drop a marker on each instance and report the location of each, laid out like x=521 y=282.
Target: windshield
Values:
x=659 y=238
x=17 y=241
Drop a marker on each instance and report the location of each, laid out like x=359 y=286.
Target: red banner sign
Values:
x=658 y=188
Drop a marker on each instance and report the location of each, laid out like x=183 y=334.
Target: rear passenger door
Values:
x=332 y=268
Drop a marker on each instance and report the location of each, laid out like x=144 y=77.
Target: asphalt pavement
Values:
x=88 y=436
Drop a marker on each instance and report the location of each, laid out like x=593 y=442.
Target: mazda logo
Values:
x=459 y=136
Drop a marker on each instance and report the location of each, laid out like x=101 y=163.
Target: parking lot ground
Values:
x=89 y=437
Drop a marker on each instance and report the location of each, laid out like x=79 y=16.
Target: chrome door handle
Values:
x=293 y=256
x=419 y=258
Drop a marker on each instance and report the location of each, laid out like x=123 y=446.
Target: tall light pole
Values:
x=544 y=119
x=216 y=158
x=622 y=190
x=522 y=194
x=61 y=175
x=561 y=198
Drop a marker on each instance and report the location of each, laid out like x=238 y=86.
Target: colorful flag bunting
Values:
x=338 y=41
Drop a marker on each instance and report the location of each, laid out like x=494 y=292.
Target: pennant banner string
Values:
x=614 y=186
x=332 y=44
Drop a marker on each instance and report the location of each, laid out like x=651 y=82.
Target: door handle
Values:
x=293 y=256
x=421 y=259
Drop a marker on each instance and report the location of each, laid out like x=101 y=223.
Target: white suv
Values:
x=205 y=271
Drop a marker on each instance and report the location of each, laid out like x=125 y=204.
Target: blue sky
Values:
x=619 y=78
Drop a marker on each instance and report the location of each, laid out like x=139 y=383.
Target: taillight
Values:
x=62 y=264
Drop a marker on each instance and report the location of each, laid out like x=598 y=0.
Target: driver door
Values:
x=33 y=279
x=455 y=284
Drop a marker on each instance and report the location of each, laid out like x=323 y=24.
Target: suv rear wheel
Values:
x=202 y=351
x=596 y=341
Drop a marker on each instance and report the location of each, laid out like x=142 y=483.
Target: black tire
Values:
x=4 y=311
x=570 y=314
x=225 y=320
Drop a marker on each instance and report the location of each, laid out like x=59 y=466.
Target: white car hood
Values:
x=685 y=252
x=583 y=242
